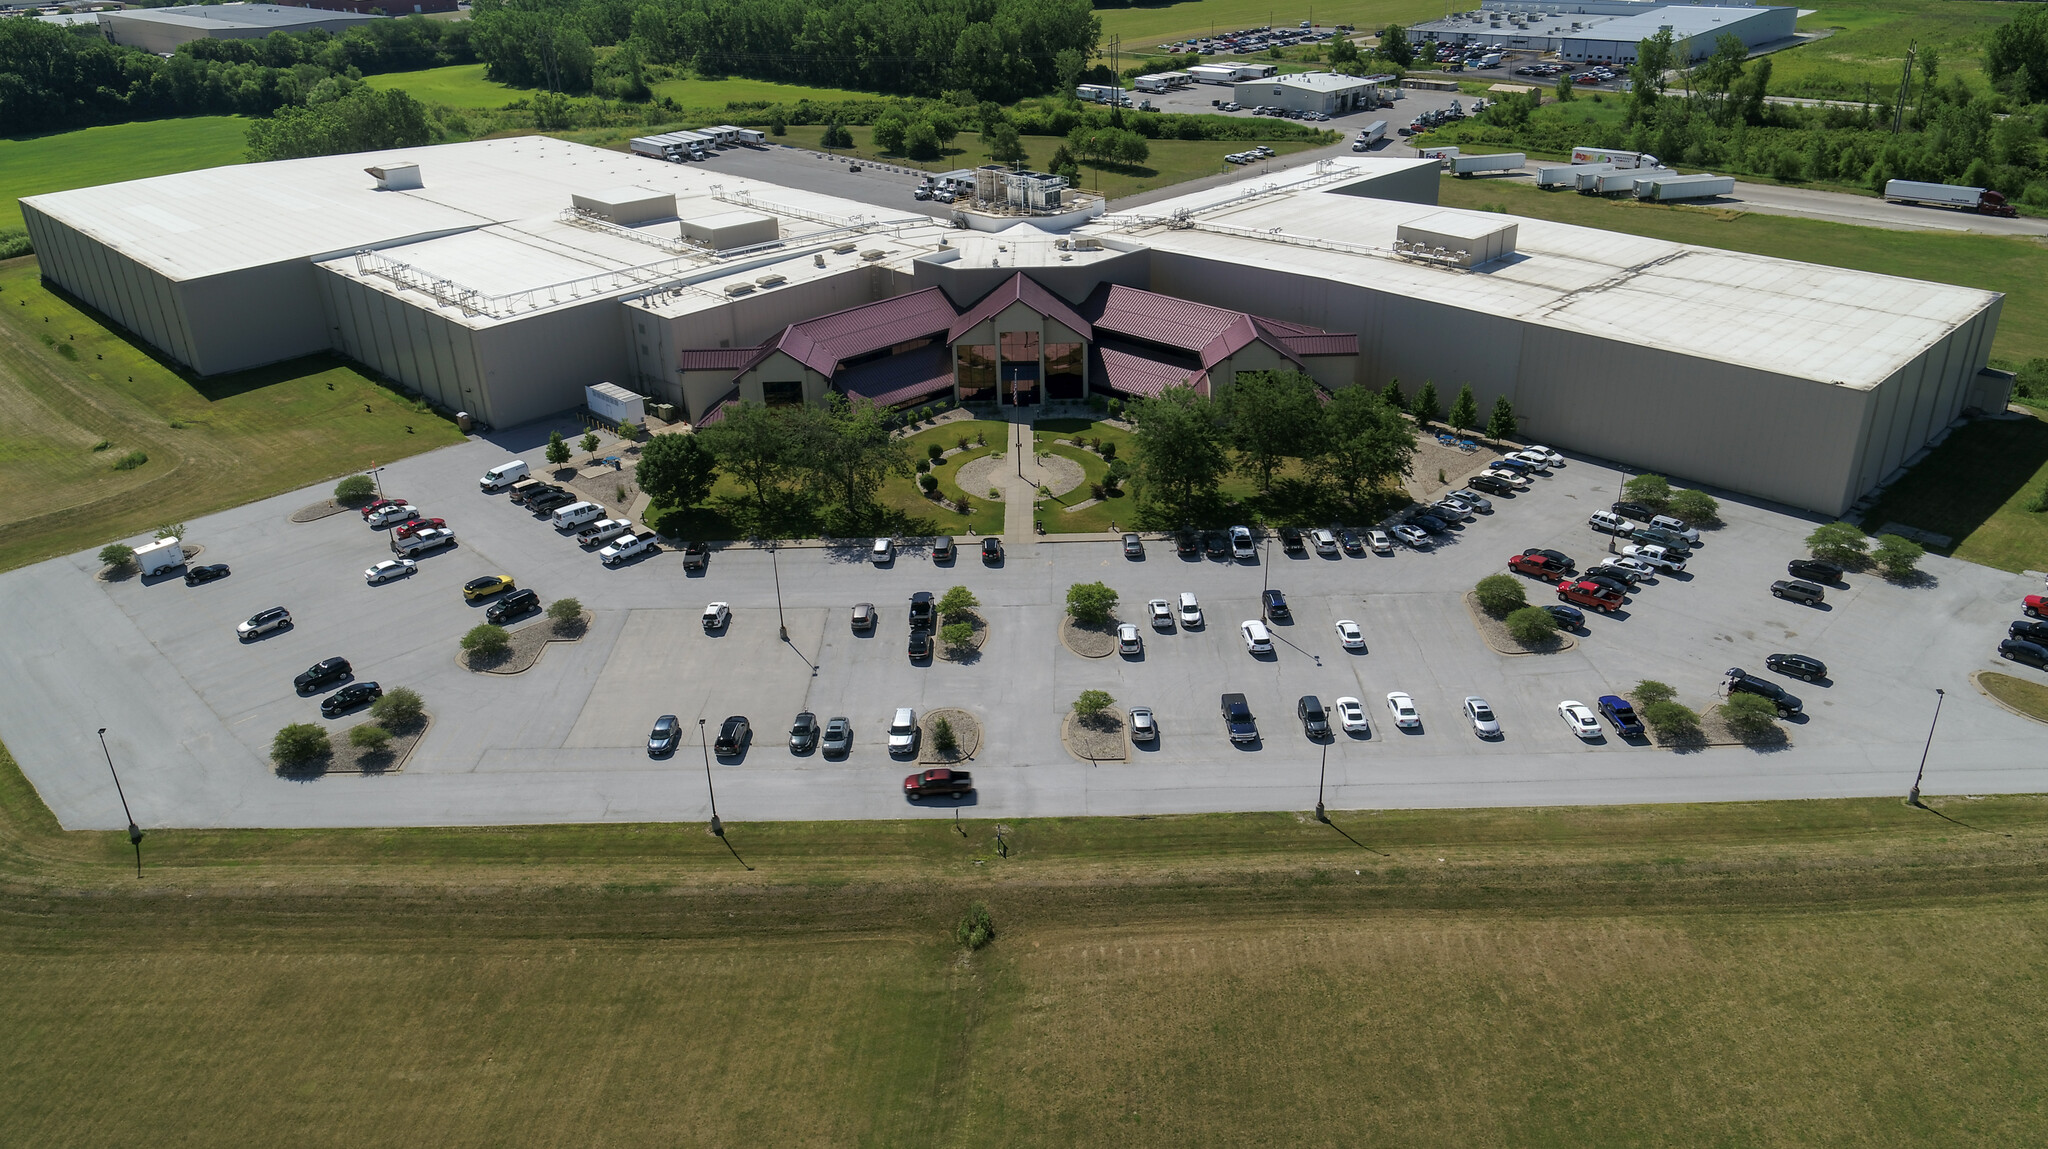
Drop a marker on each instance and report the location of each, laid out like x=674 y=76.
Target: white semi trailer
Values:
x=1665 y=188
x=1619 y=159
x=1472 y=165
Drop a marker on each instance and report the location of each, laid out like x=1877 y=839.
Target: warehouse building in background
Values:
x=504 y=277
x=161 y=30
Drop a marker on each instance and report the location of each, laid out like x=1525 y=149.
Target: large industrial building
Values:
x=1607 y=31
x=161 y=30
x=502 y=277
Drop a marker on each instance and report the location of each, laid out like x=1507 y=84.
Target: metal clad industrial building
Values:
x=489 y=290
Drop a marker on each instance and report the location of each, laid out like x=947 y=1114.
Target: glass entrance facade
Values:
x=1065 y=378
x=1020 y=367
x=976 y=372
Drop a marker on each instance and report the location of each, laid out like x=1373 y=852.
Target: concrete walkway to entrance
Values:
x=1022 y=479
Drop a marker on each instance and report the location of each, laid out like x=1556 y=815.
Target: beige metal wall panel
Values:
x=132 y=296
x=255 y=316
x=539 y=364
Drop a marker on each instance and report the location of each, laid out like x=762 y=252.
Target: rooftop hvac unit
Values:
x=738 y=288
x=770 y=280
x=401 y=176
x=844 y=248
x=872 y=254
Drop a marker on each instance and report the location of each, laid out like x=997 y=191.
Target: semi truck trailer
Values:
x=1684 y=187
x=1619 y=159
x=1471 y=165
x=1983 y=201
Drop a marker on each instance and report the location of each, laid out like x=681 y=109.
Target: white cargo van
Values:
x=577 y=514
x=504 y=475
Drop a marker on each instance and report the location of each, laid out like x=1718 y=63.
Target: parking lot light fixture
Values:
x=703 y=739
x=134 y=831
x=1321 y=774
x=1913 y=795
x=376 y=472
x=775 y=565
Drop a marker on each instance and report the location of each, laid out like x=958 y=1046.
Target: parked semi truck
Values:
x=1619 y=159
x=1444 y=154
x=1471 y=165
x=1983 y=201
x=1369 y=135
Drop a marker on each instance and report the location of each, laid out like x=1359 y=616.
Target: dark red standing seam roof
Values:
x=822 y=343
x=1021 y=289
x=1138 y=376
x=900 y=378
x=1156 y=318
x=717 y=359
x=718 y=409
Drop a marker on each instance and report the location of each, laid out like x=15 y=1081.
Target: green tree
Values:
x=848 y=451
x=1274 y=415
x=355 y=489
x=589 y=443
x=921 y=141
x=1092 y=703
x=944 y=739
x=1177 y=440
x=298 y=744
x=1363 y=444
x=1500 y=595
x=369 y=737
x=1897 y=556
x=1392 y=397
x=1130 y=148
x=565 y=613
x=1696 y=507
x=956 y=604
x=1067 y=66
x=1531 y=625
x=1565 y=94
x=753 y=444
x=400 y=707
x=558 y=451
x=890 y=128
x=1427 y=408
x=1002 y=143
x=169 y=531
x=836 y=135
x=1654 y=57
x=2017 y=57
x=365 y=120
x=1342 y=52
x=119 y=556
x=485 y=640
x=1840 y=543
x=1502 y=423
x=1652 y=491
x=1394 y=46
x=1671 y=721
x=1465 y=410
x=957 y=635
x=1090 y=603
x=677 y=470
x=1750 y=717
x=975 y=930
x=1649 y=692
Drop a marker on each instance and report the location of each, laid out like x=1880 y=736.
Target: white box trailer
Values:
x=160 y=556
x=1444 y=154
x=1607 y=183
x=1980 y=200
x=1619 y=159
x=1372 y=133
x=1566 y=175
x=1505 y=162
x=1700 y=186
x=615 y=403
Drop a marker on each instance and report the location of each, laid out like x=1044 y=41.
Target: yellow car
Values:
x=485 y=587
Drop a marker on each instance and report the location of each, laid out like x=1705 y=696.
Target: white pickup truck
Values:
x=603 y=530
x=627 y=547
x=422 y=541
x=1656 y=556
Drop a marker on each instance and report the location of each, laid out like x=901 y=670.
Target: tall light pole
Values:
x=717 y=827
x=781 y=623
x=1320 y=816
x=1265 y=578
x=134 y=831
x=375 y=472
x=1913 y=795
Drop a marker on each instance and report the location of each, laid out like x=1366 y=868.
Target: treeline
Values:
x=998 y=49
x=54 y=77
x=1719 y=120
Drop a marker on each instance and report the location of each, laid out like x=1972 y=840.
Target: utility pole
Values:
x=1905 y=84
x=1116 y=104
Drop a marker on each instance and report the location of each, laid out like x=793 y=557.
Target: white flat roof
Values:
x=201 y=223
x=1849 y=328
x=1686 y=21
x=218 y=16
x=1316 y=81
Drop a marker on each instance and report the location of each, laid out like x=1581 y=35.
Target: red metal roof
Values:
x=821 y=344
x=1019 y=288
x=900 y=378
x=1156 y=318
x=718 y=359
x=1142 y=377
x=718 y=409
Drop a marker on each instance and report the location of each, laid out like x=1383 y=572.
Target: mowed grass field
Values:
x=33 y=165
x=1869 y=45
x=464 y=86
x=1151 y=23
x=68 y=383
x=1817 y=973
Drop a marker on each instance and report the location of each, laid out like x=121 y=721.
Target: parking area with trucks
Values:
x=191 y=707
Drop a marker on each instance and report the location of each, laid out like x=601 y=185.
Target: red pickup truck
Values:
x=940 y=781
x=1588 y=594
x=1538 y=564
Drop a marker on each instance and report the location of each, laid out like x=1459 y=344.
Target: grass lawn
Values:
x=1151 y=23
x=1838 y=972
x=985 y=515
x=1975 y=488
x=1121 y=510
x=212 y=443
x=32 y=165
x=1870 y=42
x=2014 y=265
x=464 y=86
x=2030 y=698
x=1171 y=162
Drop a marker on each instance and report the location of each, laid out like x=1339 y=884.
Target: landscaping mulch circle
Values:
x=528 y=643
x=1099 y=739
x=1088 y=641
x=320 y=510
x=966 y=732
x=1714 y=732
x=1494 y=633
x=973 y=649
x=347 y=759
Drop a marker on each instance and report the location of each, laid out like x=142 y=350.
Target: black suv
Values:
x=733 y=735
x=1490 y=485
x=921 y=610
x=1798 y=666
x=920 y=645
x=1290 y=541
x=943 y=551
x=1186 y=545
x=1814 y=570
x=513 y=605
x=322 y=673
x=548 y=501
x=1636 y=511
x=1276 y=605
x=2035 y=632
x=1559 y=557
x=1741 y=681
x=1217 y=544
x=1315 y=722
x=803 y=733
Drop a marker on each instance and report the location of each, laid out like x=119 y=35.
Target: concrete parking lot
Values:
x=190 y=710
